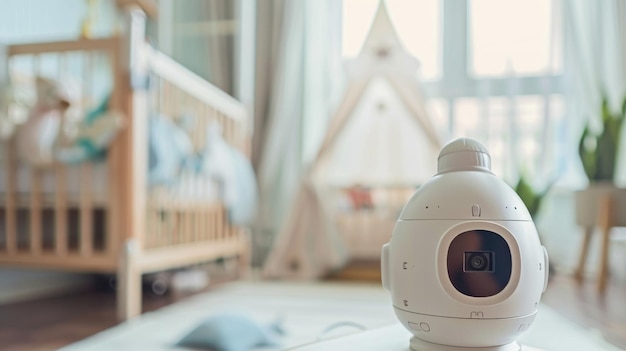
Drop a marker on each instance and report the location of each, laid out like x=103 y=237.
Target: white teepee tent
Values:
x=379 y=136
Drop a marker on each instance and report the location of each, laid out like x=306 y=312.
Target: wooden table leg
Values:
x=582 y=260
x=605 y=222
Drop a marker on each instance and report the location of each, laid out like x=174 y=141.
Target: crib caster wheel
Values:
x=159 y=286
x=113 y=283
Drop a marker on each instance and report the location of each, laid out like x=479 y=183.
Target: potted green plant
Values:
x=531 y=197
x=599 y=154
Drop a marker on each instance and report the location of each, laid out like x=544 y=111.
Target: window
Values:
x=491 y=69
x=512 y=37
x=417 y=24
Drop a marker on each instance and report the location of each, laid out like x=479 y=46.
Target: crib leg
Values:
x=245 y=256
x=128 y=282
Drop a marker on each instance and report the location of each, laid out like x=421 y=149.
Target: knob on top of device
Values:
x=464 y=154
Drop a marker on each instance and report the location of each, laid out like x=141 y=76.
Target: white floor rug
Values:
x=308 y=310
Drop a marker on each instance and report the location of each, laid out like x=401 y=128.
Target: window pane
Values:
x=524 y=133
x=467 y=120
x=510 y=36
x=417 y=23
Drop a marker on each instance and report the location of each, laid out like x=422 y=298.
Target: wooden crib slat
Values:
x=60 y=195
x=185 y=224
x=195 y=222
x=149 y=228
x=86 y=210
x=112 y=240
x=35 y=193
x=86 y=171
x=112 y=234
x=60 y=212
x=170 y=227
x=11 y=214
x=163 y=229
x=156 y=225
x=220 y=224
x=35 y=212
x=202 y=227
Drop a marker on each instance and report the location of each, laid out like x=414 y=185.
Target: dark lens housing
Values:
x=478 y=261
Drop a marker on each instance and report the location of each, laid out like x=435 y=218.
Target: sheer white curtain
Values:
x=595 y=61
x=595 y=45
x=298 y=58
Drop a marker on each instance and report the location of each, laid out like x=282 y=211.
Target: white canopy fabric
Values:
x=380 y=135
x=380 y=144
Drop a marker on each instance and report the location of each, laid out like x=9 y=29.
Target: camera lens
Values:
x=478 y=261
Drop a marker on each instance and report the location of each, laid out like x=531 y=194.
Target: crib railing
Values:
x=48 y=225
x=124 y=228
x=174 y=92
x=179 y=91
x=89 y=223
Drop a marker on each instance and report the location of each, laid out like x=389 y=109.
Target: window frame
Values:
x=457 y=82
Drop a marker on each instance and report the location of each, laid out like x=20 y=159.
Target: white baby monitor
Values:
x=464 y=264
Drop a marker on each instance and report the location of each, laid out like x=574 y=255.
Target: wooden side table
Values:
x=600 y=206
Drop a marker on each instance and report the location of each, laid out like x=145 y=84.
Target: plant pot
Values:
x=588 y=202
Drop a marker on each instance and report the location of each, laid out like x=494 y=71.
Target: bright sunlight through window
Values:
x=418 y=24
x=512 y=37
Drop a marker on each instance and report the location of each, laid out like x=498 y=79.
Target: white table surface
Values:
x=396 y=338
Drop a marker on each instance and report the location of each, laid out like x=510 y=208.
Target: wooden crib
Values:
x=128 y=230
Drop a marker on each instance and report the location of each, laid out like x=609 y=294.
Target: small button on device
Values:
x=475 y=211
x=425 y=327
x=415 y=326
x=546 y=268
x=384 y=269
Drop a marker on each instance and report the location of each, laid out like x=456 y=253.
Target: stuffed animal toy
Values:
x=233 y=172
x=36 y=137
x=169 y=149
x=93 y=135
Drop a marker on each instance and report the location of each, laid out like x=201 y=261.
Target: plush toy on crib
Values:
x=36 y=137
x=169 y=149
x=234 y=172
x=92 y=136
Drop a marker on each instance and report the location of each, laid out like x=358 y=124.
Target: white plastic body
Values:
x=414 y=262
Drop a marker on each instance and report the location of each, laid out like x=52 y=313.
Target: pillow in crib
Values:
x=234 y=172
x=230 y=332
x=169 y=147
x=243 y=210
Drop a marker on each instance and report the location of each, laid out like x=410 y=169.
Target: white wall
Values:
x=43 y=20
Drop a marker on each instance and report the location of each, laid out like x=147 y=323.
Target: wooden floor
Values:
x=583 y=304
x=54 y=322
